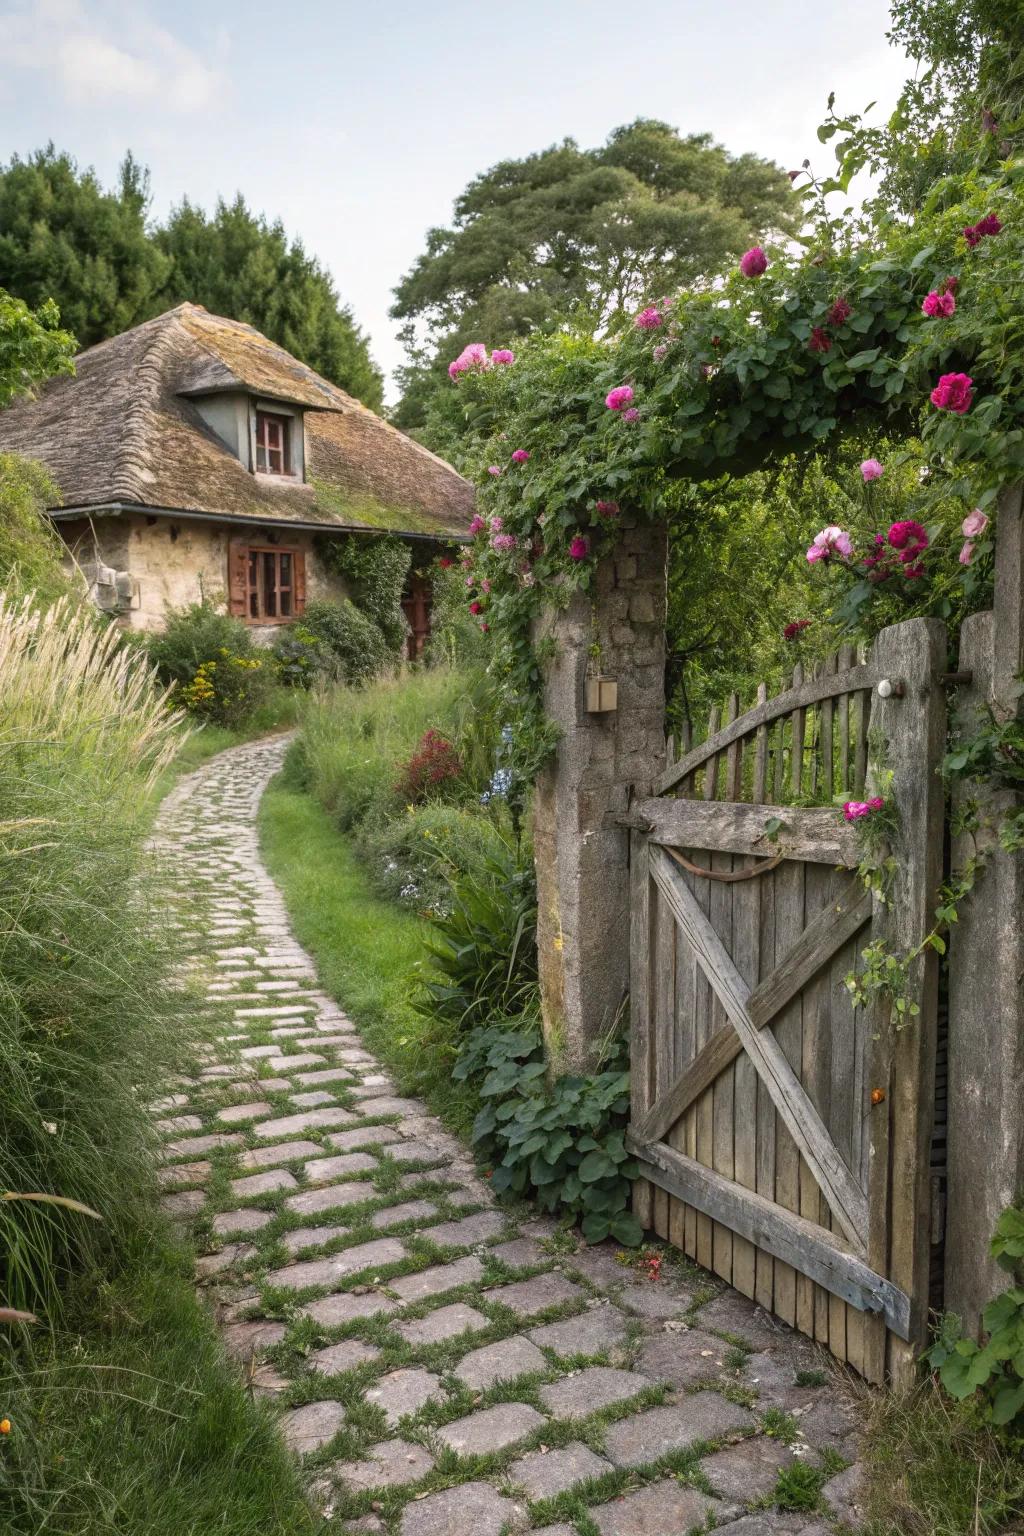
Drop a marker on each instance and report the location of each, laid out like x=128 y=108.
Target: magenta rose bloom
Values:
x=579 y=549
x=618 y=398
x=820 y=340
x=938 y=305
x=648 y=319
x=953 y=392
x=503 y=357
x=840 y=312
x=607 y=508
x=520 y=456
x=871 y=469
x=476 y=607
x=989 y=225
x=477 y=525
x=753 y=262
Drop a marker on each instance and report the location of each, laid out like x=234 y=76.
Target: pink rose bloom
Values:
x=854 y=810
x=974 y=524
x=607 y=508
x=953 y=392
x=648 y=319
x=520 y=456
x=503 y=357
x=618 y=397
x=753 y=262
x=967 y=552
x=485 y=627
x=938 y=305
x=503 y=542
x=660 y=350
x=871 y=469
x=631 y=415
x=579 y=549
x=475 y=355
x=494 y=469
x=471 y=582
x=485 y=585
x=497 y=524
x=830 y=541
x=477 y=525
x=455 y=368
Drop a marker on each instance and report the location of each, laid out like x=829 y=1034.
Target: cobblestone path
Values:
x=441 y=1367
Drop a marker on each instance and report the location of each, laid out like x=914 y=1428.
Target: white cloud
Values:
x=102 y=50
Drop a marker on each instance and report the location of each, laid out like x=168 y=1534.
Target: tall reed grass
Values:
x=84 y=1018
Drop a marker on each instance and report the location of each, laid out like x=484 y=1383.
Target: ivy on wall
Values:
x=374 y=570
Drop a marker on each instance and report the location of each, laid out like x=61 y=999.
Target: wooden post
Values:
x=908 y=731
x=986 y=1021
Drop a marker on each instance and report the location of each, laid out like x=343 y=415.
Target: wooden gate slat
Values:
x=844 y=1195
x=812 y=833
x=831 y=929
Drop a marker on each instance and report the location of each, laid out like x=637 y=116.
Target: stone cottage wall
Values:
x=140 y=565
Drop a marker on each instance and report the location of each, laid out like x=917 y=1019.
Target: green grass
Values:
x=934 y=1468
x=131 y=1420
x=366 y=949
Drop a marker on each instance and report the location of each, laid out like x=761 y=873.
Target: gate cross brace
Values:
x=749 y=1011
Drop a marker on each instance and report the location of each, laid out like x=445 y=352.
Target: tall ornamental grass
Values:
x=84 y=1016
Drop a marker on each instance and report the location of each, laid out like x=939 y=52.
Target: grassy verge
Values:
x=365 y=949
x=934 y=1468
x=130 y=1418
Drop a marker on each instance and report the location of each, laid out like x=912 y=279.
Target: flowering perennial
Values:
x=830 y=541
x=856 y=810
x=618 y=398
x=953 y=392
x=753 y=262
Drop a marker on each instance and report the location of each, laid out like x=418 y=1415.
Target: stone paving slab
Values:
x=283 y=1100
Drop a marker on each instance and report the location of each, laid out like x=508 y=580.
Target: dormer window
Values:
x=272 y=445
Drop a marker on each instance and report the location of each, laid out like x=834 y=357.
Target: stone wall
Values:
x=603 y=762
x=139 y=565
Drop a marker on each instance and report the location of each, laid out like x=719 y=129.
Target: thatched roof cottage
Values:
x=196 y=458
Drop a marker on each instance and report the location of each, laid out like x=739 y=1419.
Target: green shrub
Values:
x=992 y=1371
x=413 y=858
x=374 y=568
x=220 y=674
x=563 y=1143
x=483 y=948
x=85 y=1022
x=31 y=553
x=348 y=646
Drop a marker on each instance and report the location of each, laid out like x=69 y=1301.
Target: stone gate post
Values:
x=606 y=757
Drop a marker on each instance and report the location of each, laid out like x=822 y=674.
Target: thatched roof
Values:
x=123 y=433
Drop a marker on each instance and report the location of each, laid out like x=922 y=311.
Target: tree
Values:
x=66 y=239
x=582 y=233
x=237 y=264
x=62 y=237
x=32 y=347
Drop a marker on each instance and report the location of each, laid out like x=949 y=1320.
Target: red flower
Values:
x=796 y=627
x=607 y=508
x=840 y=312
x=476 y=607
x=434 y=761
x=445 y=563
x=989 y=225
x=820 y=340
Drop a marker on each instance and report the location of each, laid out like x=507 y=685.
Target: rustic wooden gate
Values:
x=783 y=1133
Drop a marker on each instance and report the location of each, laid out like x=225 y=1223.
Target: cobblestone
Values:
x=306 y=1157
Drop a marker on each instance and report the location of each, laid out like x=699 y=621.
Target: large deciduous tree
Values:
x=586 y=233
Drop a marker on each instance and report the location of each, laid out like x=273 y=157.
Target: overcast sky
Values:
x=358 y=125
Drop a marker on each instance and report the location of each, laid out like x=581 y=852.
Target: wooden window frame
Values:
x=284 y=424
x=296 y=589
